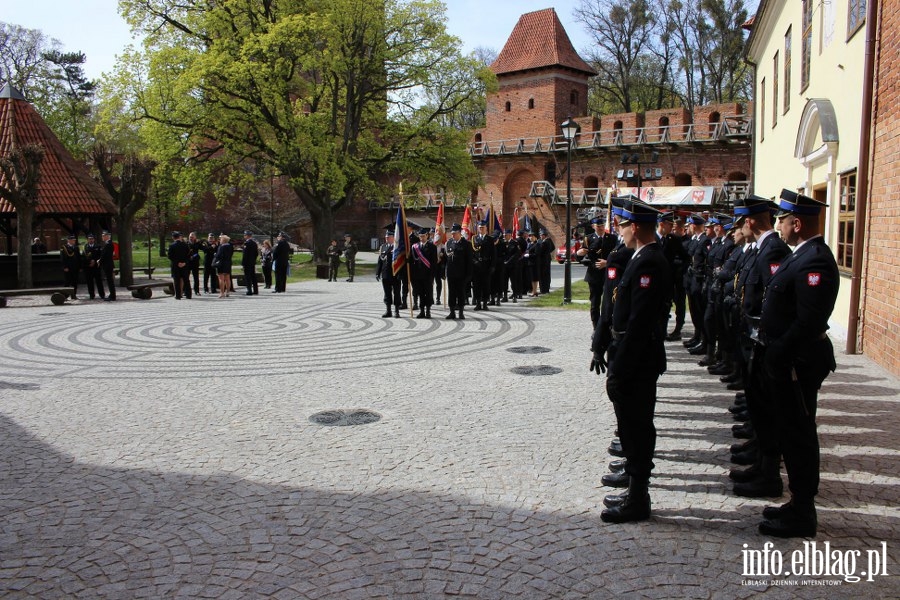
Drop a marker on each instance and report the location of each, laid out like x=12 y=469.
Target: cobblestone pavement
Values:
x=162 y=448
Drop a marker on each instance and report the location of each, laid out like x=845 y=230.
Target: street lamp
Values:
x=569 y=129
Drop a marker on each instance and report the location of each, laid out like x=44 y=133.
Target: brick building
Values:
x=812 y=136
x=703 y=158
x=880 y=281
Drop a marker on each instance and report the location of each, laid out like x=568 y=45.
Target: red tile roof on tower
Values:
x=65 y=187
x=538 y=41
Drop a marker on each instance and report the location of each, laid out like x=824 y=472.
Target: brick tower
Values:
x=542 y=80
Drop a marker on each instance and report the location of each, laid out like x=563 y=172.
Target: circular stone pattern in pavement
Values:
x=284 y=336
x=343 y=418
x=536 y=370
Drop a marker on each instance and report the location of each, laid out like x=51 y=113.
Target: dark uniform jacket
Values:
x=107 y=252
x=639 y=316
x=424 y=260
x=598 y=247
x=459 y=259
x=800 y=299
x=251 y=253
x=759 y=271
x=483 y=251
x=71 y=257
x=282 y=252
x=384 y=270
x=615 y=267
x=178 y=253
x=91 y=255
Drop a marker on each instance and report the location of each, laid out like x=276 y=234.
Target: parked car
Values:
x=561 y=251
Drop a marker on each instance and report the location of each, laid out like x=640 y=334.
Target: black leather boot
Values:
x=768 y=484
x=421 y=314
x=387 y=311
x=794 y=519
x=614 y=500
x=451 y=316
x=635 y=507
x=396 y=312
x=618 y=465
x=462 y=316
x=617 y=479
x=427 y=312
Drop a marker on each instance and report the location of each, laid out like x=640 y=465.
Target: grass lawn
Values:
x=302 y=267
x=580 y=298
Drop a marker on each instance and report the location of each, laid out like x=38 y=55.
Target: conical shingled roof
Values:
x=539 y=41
x=65 y=187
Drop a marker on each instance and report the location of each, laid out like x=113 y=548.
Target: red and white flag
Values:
x=440 y=230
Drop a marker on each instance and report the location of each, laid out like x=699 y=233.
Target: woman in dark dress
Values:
x=532 y=263
x=222 y=262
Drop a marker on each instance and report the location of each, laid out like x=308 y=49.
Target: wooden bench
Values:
x=144 y=291
x=148 y=271
x=239 y=279
x=58 y=295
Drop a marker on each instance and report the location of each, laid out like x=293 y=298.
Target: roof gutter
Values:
x=862 y=180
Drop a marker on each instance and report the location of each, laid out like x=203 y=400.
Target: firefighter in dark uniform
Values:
x=593 y=256
x=699 y=247
x=423 y=267
x=91 y=256
x=715 y=258
x=195 y=246
x=763 y=478
x=459 y=271
x=637 y=355
x=511 y=253
x=548 y=251
x=179 y=255
x=797 y=357
x=108 y=265
x=249 y=258
x=384 y=272
x=601 y=340
x=679 y=264
x=282 y=259
x=674 y=251
x=71 y=263
x=483 y=259
x=724 y=348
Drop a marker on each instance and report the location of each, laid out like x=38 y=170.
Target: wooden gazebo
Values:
x=67 y=195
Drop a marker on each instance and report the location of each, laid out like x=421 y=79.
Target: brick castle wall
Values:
x=881 y=278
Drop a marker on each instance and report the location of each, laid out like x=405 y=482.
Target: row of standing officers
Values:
x=488 y=269
x=760 y=312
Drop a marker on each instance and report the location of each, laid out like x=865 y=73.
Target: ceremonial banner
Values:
x=401 y=241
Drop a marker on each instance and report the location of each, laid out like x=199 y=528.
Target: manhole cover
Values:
x=340 y=418
x=536 y=370
x=528 y=350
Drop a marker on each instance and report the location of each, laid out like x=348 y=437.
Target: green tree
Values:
x=21 y=170
x=331 y=94
x=53 y=81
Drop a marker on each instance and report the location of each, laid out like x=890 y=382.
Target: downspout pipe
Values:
x=862 y=179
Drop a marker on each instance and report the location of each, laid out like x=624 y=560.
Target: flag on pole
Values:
x=515 y=223
x=527 y=223
x=401 y=241
x=467 y=223
x=498 y=226
x=440 y=230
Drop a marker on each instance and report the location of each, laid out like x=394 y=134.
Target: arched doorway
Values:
x=515 y=193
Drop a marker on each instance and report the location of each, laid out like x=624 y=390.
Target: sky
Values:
x=95 y=27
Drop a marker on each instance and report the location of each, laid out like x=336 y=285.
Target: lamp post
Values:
x=569 y=129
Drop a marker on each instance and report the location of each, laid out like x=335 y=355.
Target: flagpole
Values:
x=409 y=287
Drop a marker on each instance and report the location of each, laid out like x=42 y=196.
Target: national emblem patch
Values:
x=813 y=279
x=611 y=273
x=645 y=281
x=773 y=267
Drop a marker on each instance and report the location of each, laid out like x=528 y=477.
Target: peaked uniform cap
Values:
x=792 y=203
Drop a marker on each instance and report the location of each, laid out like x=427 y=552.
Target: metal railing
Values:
x=727 y=130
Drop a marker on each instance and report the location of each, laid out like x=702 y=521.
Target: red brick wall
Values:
x=551 y=92
x=880 y=293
